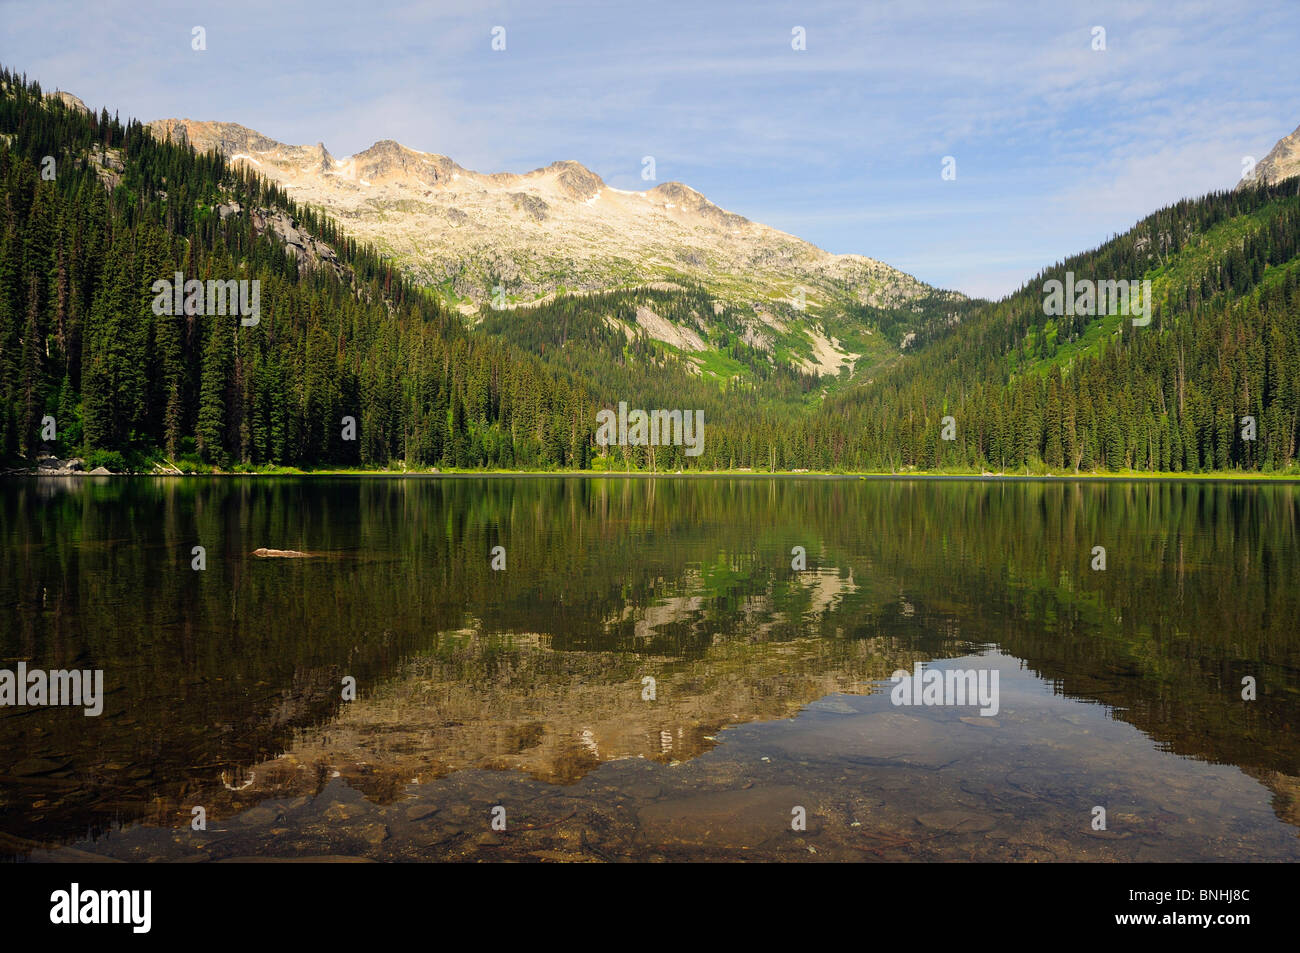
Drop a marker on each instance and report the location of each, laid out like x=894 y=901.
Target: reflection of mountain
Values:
x=754 y=613
x=685 y=580
x=505 y=703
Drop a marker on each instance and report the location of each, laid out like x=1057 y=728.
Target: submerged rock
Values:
x=418 y=812
x=956 y=820
x=728 y=819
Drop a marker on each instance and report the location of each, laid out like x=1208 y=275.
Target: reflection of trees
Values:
x=219 y=669
x=1198 y=591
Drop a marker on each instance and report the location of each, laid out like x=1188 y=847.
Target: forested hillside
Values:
x=1027 y=390
x=79 y=341
x=95 y=211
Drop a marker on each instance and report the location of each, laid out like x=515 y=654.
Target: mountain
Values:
x=69 y=100
x=89 y=366
x=560 y=230
x=355 y=363
x=554 y=229
x=1208 y=380
x=1282 y=162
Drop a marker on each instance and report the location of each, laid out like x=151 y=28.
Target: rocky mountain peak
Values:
x=678 y=195
x=575 y=179
x=1282 y=162
x=228 y=138
x=557 y=226
x=72 y=102
x=391 y=162
x=325 y=160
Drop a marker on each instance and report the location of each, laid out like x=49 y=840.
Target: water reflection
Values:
x=224 y=685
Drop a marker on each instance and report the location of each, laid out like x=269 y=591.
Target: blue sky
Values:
x=1057 y=146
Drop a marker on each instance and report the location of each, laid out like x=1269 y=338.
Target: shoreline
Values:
x=972 y=476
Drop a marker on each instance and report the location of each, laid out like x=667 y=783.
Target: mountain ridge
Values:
x=1282 y=162
x=570 y=230
x=1210 y=382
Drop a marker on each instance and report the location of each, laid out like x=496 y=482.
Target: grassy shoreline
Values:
x=1231 y=476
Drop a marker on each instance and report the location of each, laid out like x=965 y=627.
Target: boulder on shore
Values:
x=49 y=465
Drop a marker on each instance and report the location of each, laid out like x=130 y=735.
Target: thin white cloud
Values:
x=1057 y=145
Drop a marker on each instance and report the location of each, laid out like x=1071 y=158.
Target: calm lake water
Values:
x=648 y=677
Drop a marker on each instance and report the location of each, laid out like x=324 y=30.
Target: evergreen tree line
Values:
x=79 y=343
x=1025 y=392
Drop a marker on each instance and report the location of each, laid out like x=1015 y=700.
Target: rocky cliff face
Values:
x=1282 y=162
x=72 y=102
x=555 y=228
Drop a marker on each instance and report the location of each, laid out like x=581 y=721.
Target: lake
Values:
x=665 y=669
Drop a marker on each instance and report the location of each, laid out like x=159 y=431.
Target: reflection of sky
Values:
x=872 y=780
x=1057 y=146
x=1043 y=764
